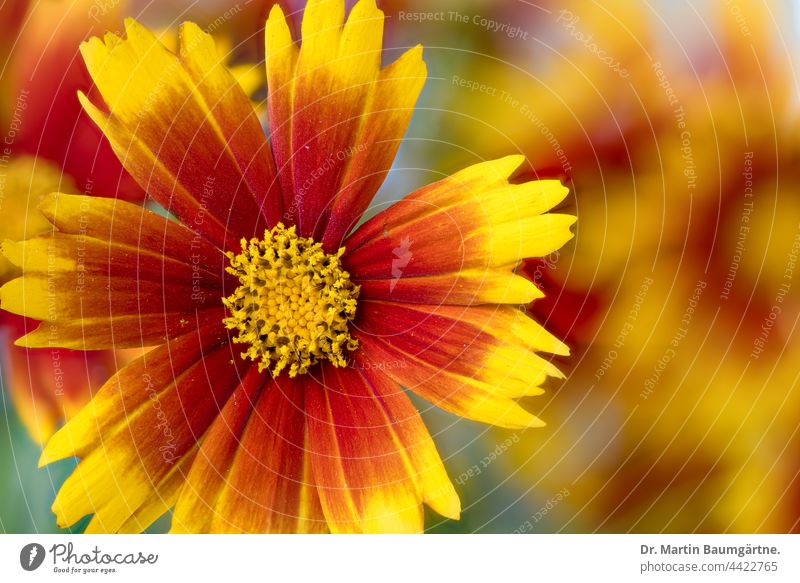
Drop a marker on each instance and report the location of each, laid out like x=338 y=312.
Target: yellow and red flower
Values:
x=284 y=332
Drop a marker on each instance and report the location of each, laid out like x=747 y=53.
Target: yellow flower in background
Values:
x=272 y=401
x=679 y=414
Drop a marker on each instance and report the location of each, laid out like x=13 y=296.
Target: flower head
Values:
x=273 y=400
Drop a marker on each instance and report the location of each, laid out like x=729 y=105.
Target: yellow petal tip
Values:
x=276 y=12
x=130 y=23
x=54 y=449
x=446 y=504
x=44 y=459
x=535 y=423
x=23 y=343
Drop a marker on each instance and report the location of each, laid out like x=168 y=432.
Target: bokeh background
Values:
x=675 y=125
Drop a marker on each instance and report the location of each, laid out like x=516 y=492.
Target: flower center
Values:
x=294 y=302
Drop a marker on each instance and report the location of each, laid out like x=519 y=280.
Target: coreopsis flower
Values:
x=48 y=144
x=284 y=333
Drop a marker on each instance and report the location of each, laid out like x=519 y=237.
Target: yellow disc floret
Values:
x=294 y=303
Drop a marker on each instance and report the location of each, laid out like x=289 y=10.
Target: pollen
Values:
x=294 y=303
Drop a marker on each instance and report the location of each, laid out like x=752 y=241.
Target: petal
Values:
x=135 y=332
x=472 y=361
x=232 y=108
x=335 y=118
x=466 y=287
x=252 y=472
x=60 y=296
x=459 y=240
x=383 y=124
x=373 y=460
x=183 y=127
x=117 y=276
x=131 y=225
x=139 y=427
x=281 y=63
x=124 y=394
x=96 y=257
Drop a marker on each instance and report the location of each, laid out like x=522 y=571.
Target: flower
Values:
x=273 y=399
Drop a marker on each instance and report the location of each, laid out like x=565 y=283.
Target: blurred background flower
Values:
x=674 y=126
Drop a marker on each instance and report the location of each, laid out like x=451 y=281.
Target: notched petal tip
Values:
x=411 y=63
x=565 y=222
x=55 y=508
x=366 y=5
x=90 y=46
x=324 y=18
x=134 y=26
x=189 y=27
x=61 y=512
x=193 y=38
x=556 y=191
x=367 y=10
x=47 y=458
x=6 y=293
x=111 y=40
x=276 y=12
x=418 y=53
